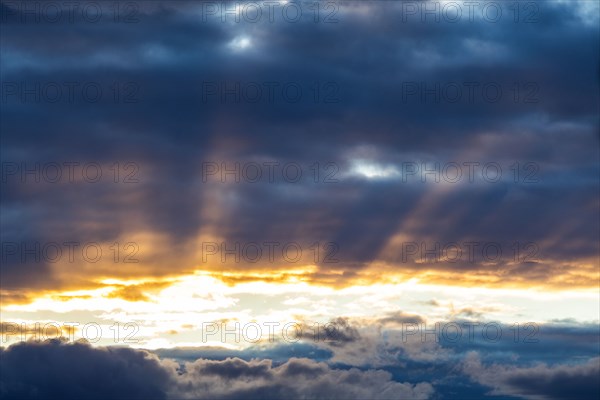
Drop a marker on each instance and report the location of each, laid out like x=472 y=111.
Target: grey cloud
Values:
x=337 y=332
x=298 y=378
x=77 y=371
x=401 y=317
x=170 y=52
x=581 y=380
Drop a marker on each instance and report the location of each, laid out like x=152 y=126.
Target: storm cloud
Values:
x=169 y=122
x=75 y=371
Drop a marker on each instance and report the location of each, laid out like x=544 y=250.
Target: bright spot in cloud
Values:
x=240 y=43
x=374 y=171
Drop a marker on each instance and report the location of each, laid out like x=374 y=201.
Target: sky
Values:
x=300 y=199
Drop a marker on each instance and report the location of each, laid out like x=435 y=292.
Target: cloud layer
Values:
x=78 y=371
x=178 y=63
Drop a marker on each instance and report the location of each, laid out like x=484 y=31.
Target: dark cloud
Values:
x=337 y=332
x=401 y=317
x=78 y=371
x=378 y=363
x=299 y=378
x=361 y=120
x=278 y=353
x=365 y=61
x=541 y=381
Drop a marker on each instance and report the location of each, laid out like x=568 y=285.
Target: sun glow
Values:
x=174 y=311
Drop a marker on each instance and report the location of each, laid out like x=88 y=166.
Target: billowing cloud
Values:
x=367 y=130
x=70 y=371
x=580 y=381
x=297 y=378
x=78 y=371
x=373 y=169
